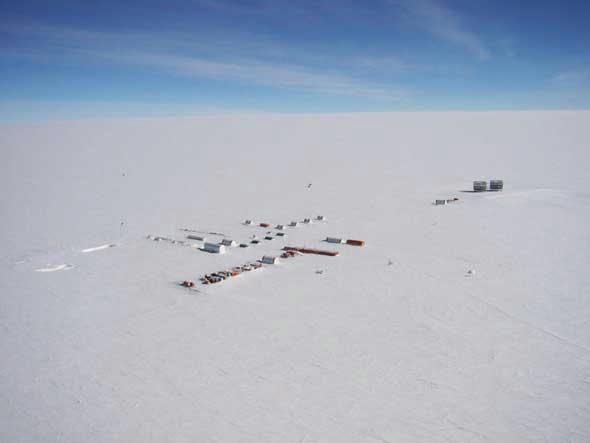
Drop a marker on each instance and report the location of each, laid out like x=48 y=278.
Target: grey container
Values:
x=268 y=260
x=480 y=186
x=496 y=185
x=214 y=248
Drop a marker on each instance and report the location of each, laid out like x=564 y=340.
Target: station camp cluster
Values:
x=224 y=244
x=278 y=231
x=288 y=252
x=478 y=186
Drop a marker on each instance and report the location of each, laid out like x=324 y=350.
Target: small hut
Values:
x=215 y=248
x=280 y=227
x=307 y=220
x=228 y=242
x=248 y=222
x=440 y=202
x=269 y=260
x=320 y=218
x=334 y=240
x=294 y=224
x=480 y=186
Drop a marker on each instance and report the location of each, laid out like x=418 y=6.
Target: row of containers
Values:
x=482 y=186
x=293 y=224
x=221 y=247
x=217 y=277
x=288 y=252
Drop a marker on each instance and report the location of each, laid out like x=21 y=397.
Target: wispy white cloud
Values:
x=251 y=71
x=573 y=78
x=571 y=88
x=388 y=64
x=256 y=61
x=265 y=8
x=442 y=22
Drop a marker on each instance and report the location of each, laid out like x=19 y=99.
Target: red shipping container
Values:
x=355 y=242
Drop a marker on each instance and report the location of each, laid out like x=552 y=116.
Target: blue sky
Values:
x=76 y=59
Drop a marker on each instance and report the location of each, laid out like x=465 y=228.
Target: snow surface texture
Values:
x=466 y=322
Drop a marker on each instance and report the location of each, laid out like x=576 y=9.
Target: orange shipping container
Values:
x=355 y=242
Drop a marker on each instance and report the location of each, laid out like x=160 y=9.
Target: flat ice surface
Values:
x=393 y=342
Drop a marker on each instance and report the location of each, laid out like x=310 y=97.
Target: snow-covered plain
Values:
x=393 y=342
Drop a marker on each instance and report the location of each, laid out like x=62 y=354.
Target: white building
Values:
x=269 y=260
x=228 y=242
x=214 y=248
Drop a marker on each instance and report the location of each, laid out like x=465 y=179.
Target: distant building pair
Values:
x=481 y=186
